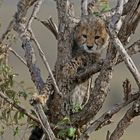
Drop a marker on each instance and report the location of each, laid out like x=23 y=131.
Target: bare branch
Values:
x=131 y=50
x=108 y=134
x=126 y=121
x=84 y=4
x=131 y=20
x=28 y=27
x=127 y=6
x=43 y=121
x=127 y=59
x=100 y=7
x=25 y=37
x=118 y=45
x=127 y=89
x=18 y=56
x=19 y=108
x=105 y=118
x=46 y=63
x=65 y=28
x=9 y=28
x=34 y=12
x=18 y=24
x=86 y=98
x=50 y=25
x=114 y=24
x=31 y=63
x=90 y=7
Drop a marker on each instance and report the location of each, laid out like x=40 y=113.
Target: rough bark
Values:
x=59 y=86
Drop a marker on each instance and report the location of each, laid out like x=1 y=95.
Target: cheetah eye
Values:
x=85 y=36
x=97 y=37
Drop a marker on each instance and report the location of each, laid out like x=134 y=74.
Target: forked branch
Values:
x=126 y=120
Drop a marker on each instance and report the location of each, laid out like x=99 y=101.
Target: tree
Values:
x=55 y=118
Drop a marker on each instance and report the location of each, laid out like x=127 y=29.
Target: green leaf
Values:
x=2 y=130
x=23 y=94
x=11 y=82
x=77 y=108
x=16 y=130
x=104 y=8
x=11 y=93
x=68 y=132
x=71 y=132
x=20 y=115
x=62 y=133
x=65 y=121
x=16 y=117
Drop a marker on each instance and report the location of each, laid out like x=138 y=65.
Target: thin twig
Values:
x=50 y=25
x=107 y=135
x=34 y=12
x=9 y=28
x=126 y=89
x=44 y=122
x=84 y=4
x=127 y=59
x=46 y=64
x=87 y=92
x=131 y=50
x=19 y=108
x=18 y=56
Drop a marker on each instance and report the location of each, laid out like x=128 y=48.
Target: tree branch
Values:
x=84 y=4
x=9 y=28
x=28 y=27
x=50 y=25
x=118 y=45
x=131 y=50
x=65 y=28
x=105 y=118
x=18 y=56
x=25 y=37
x=131 y=20
x=46 y=64
x=44 y=121
x=34 y=13
x=126 y=120
x=128 y=61
x=19 y=108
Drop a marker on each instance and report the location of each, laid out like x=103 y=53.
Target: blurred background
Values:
x=49 y=46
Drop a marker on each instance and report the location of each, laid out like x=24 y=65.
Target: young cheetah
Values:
x=91 y=35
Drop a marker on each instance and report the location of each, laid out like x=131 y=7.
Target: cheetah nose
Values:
x=90 y=47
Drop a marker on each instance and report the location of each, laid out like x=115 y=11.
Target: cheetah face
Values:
x=91 y=35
